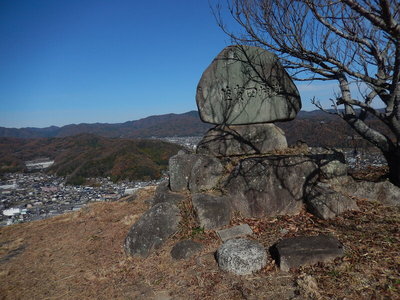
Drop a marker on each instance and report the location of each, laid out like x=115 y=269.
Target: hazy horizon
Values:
x=119 y=122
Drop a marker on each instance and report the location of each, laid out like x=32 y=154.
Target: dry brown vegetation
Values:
x=86 y=155
x=80 y=256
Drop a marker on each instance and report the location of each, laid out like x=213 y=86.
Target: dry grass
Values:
x=80 y=256
x=370 y=173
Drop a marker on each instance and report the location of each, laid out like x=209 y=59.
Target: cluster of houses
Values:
x=32 y=196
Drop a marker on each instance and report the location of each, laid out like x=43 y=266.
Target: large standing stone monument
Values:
x=237 y=168
x=246 y=85
x=243 y=89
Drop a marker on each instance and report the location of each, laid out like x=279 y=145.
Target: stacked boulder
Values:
x=243 y=164
x=242 y=92
x=240 y=163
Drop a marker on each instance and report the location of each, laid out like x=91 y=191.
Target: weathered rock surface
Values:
x=326 y=203
x=246 y=85
x=384 y=192
x=331 y=162
x=185 y=249
x=334 y=168
x=298 y=251
x=205 y=174
x=232 y=140
x=212 y=211
x=270 y=185
x=180 y=167
x=164 y=194
x=241 y=256
x=152 y=229
x=194 y=172
x=234 y=232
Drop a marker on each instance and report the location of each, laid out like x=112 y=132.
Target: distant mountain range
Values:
x=90 y=150
x=186 y=124
x=316 y=128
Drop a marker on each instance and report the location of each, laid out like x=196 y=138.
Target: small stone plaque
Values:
x=234 y=232
x=306 y=250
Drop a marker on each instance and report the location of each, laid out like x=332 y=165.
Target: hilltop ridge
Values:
x=159 y=125
x=316 y=128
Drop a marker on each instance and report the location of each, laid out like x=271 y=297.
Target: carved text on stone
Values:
x=240 y=93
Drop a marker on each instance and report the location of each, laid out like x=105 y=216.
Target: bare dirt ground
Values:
x=80 y=256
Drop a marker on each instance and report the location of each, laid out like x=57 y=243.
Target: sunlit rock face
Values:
x=246 y=85
x=223 y=141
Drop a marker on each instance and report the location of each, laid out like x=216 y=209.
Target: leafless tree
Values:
x=347 y=41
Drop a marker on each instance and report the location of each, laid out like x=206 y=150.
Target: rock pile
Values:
x=244 y=165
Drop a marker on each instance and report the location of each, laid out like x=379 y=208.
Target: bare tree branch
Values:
x=341 y=40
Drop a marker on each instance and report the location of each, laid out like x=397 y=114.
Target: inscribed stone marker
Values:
x=246 y=85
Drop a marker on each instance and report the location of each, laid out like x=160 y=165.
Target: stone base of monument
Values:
x=266 y=185
x=254 y=186
x=326 y=203
x=243 y=165
x=222 y=141
x=272 y=185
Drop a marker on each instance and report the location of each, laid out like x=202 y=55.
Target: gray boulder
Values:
x=331 y=162
x=180 y=167
x=299 y=251
x=232 y=140
x=384 y=192
x=326 y=203
x=212 y=211
x=246 y=85
x=152 y=229
x=185 y=249
x=334 y=168
x=270 y=185
x=205 y=174
x=241 y=256
x=164 y=194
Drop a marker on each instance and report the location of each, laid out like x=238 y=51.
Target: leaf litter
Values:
x=80 y=256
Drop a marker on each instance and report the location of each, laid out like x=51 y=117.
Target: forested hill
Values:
x=316 y=128
x=186 y=124
x=82 y=156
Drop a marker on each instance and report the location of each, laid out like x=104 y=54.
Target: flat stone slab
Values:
x=246 y=85
x=306 y=250
x=234 y=232
x=222 y=141
x=241 y=256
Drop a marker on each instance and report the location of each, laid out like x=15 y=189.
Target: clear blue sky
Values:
x=87 y=61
